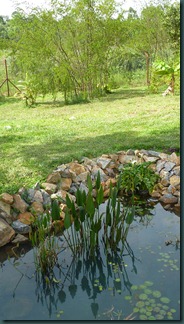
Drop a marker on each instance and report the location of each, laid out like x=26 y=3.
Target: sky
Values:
x=8 y=6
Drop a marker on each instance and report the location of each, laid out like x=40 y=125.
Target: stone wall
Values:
x=18 y=211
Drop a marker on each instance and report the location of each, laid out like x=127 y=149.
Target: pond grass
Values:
x=36 y=140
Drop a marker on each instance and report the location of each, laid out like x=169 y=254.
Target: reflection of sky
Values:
x=146 y=243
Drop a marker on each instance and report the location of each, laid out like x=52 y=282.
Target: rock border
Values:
x=18 y=211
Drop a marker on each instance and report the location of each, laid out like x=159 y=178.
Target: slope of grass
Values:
x=35 y=140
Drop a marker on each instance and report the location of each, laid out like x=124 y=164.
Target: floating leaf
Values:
x=165 y=300
x=128 y=297
x=147 y=291
x=136 y=310
x=118 y=280
x=143 y=317
x=165 y=307
x=151 y=318
x=140 y=304
x=159 y=316
x=148 y=283
x=134 y=287
x=157 y=293
x=143 y=296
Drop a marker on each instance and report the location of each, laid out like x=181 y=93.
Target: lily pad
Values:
x=165 y=300
x=148 y=283
x=142 y=310
x=134 y=287
x=143 y=296
x=128 y=297
x=147 y=291
x=136 y=310
x=165 y=307
x=159 y=317
x=156 y=293
x=143 y=317
x=140 y=304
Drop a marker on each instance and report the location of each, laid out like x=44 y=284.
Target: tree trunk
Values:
x=147 y=68
x=172 y=83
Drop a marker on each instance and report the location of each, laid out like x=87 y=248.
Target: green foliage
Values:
x=44 y=244
x=166 y=72
x=85 y=224
x=172 y=24
x=136 y=177
x=28 y=90
x=55 y=210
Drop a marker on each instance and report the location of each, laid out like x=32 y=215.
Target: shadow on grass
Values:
x=41 y=159
x=115 y=95
x=125 y=94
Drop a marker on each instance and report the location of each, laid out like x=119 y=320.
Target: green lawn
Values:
x=50 y=134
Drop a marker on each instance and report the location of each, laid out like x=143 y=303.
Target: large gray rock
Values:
x=21 y=228
x=169 y=199
x=6 y=233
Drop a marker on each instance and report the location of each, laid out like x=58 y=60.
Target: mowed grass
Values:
x=49 y=134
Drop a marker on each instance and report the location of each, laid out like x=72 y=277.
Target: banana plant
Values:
x=161 y=68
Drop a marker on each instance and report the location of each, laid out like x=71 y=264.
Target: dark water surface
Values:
x=145 y=282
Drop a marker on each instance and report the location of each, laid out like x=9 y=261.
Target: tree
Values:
x=72 y=45
x=172 y=24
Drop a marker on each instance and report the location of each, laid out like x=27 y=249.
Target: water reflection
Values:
x=86 y=288
x=89 y=275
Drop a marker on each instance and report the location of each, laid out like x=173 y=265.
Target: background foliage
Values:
x=84 y=48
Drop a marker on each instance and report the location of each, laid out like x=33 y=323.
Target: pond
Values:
x=143 y=284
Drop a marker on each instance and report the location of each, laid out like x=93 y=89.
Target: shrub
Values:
x=137 y=177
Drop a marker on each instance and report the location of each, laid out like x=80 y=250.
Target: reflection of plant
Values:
x=84 y=223
x=137 y=177
x=45 y=245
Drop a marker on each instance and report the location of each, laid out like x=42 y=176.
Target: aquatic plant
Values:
x=150 y=304
x=138 y=177
x=45 y=245
x=85 y=225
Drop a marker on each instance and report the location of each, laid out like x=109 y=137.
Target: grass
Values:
x=49 y=134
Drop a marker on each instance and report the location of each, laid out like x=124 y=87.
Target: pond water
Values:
x=144 y=283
